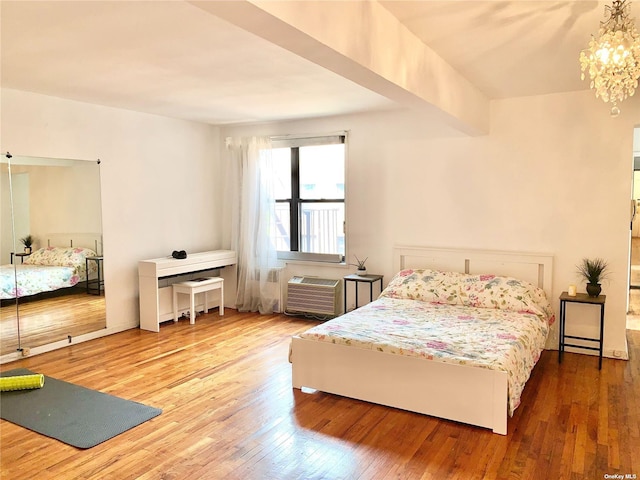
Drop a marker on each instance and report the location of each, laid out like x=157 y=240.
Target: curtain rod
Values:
x=295 y=136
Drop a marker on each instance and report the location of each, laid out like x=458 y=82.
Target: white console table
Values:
x=156 y=302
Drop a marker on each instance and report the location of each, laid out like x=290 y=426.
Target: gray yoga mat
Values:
x=70 y=413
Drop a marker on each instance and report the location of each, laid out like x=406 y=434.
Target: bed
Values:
x=60 y=265
x=455 y=334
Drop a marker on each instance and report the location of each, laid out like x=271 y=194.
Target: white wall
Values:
x=20 y=187
x=554 y=175
x=160 y=181
x=58 y=199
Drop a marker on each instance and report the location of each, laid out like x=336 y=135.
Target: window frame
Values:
x=296 y=201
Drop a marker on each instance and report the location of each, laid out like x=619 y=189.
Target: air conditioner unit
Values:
x=319 y=296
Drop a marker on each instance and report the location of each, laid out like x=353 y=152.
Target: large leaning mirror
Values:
x=52 y=262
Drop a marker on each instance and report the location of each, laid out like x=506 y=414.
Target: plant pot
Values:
x=593 y=289
x=361 y=271
x=27 y=250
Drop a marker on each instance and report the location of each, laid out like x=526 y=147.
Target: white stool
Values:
x=192 y=288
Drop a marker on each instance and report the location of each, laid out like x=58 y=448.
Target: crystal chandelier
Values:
x=613 y=59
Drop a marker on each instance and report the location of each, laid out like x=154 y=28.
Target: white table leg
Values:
x=192 y=316
x=221 y=308
x=175 y=306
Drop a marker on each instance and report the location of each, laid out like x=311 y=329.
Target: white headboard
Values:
x=83 y=240
x=535 y=268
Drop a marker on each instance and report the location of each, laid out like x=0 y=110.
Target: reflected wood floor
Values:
x=229 y=411
x=51 y=319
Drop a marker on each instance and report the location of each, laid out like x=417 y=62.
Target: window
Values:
x=310 y=198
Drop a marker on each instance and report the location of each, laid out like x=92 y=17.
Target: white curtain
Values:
x=251 y=215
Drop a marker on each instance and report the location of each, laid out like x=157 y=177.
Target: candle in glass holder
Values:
x=572 y=290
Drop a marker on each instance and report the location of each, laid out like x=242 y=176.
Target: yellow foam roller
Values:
x=21 y=382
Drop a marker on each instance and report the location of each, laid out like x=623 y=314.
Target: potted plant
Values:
x=362 y=269
x=27 y=242
x=593 y=271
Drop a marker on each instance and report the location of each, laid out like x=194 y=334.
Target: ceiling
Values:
x=507 y=49
x=172 y=58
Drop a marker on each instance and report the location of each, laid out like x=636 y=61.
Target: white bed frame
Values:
x=80 y=240
x=472 y=395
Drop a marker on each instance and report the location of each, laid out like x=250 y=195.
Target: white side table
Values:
x=194 y=287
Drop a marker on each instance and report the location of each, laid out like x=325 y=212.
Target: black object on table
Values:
x=586 y=299
x=370 y=279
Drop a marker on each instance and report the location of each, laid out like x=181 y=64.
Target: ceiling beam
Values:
x=365 y=43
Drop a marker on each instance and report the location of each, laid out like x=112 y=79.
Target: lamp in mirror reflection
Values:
x=612 y=59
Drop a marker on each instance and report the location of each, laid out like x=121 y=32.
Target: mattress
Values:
x=34 y=279
x=499 y=339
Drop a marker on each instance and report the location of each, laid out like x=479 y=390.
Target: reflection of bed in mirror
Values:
x=53 y=269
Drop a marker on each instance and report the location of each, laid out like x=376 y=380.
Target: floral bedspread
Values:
x=34 y=279
x=46 y=270
x=487 y=334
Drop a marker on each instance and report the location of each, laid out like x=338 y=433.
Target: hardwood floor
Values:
x=229 y=411
x=50 y=320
